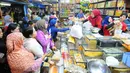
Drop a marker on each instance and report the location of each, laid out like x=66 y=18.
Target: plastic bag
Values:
x=111 y=61
x=87 y=26
x=71 y=40
x=76 y=31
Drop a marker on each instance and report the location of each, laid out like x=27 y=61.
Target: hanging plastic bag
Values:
x=76 y=31
x=111 y=61
x=87 y=26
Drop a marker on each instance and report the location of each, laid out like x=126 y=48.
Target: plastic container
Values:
x=126 y=59
x=91 y=41
x=108 y=42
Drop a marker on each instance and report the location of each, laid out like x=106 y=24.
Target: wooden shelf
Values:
x=98 y=2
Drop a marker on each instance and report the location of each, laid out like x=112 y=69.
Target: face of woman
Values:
x=92 y=15
x=1 y=33
x=110 y=19
x=16 y=30
x=34 y=33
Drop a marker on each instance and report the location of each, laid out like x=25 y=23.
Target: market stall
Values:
x=107 y=51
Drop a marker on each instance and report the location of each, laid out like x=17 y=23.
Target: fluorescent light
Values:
x=5 y=4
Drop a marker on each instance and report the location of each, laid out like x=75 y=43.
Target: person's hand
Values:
x=51 y=62
x=54 y=48
x=70 y=27
x=44 y=56
x=49 y=36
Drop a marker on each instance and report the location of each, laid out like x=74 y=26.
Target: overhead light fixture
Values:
x=5 y=4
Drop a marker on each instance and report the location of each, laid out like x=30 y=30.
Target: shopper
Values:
x=106 y=23
x=11 y=28
x=1 y=17
x=31 y=23
x=2 y=43
x=24 y=23
x=4 y=68
x=7 y=20
x=20 y=60
x=53 y=30
x=31 y=44
x=123 y=19
x=43 y=37
x=80 y=15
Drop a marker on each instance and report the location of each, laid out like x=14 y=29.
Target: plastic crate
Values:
x=117 y=56
x=126 y=58
x=108 y=42
x=115 y=52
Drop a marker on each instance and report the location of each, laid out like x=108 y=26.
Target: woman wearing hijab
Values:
x=7 y=20
x=53 y=30
x=11 y=28
x=106 y=22
x=20 y=60
x=42 y=36
x=95 y=19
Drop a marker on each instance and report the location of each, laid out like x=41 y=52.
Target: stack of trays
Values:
x=116 y=52
x=91 y=54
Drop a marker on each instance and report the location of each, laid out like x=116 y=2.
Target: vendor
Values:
x=123 y=19
x=106 y=23
x=80 y=15
x=95 y=18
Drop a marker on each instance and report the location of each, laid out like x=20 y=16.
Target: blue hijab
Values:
x=105 y=21
x=51 y=24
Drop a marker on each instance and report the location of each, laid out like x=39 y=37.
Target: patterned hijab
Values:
x=14 y=42
x=18 y=58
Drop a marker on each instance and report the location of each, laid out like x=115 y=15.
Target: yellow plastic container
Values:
x=91 y=41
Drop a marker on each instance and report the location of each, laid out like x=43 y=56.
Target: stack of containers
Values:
x=110 y=47
x=90 y=50
x=91 y=41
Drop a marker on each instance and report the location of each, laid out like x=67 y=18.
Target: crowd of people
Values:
x=25 y=45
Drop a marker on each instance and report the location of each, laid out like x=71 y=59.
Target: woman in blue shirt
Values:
x=53 y=30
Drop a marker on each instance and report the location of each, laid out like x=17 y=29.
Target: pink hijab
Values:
x=18 y=58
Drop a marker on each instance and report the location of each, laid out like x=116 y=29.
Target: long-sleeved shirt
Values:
x=44 y=41
x=33 y=46
x=53 y=30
